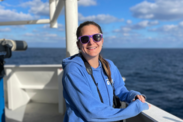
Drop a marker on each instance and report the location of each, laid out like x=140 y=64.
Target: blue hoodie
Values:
x=82 y=99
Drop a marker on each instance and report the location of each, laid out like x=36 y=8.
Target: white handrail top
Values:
x=34 y=66
x=160 y=115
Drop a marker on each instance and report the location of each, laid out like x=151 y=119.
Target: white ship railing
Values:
x=42 y=84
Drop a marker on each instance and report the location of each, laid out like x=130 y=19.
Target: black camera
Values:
x=6 y=48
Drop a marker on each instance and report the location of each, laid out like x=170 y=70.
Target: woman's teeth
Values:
x=91 y=47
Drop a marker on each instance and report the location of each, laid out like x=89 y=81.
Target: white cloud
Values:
x=5 y=29
x=37 y=7
x=51 y=35
x=181 y=24
x=12 y=15
x=165 y=36
x=169 y=27
x=136 y=40
x=171 y=32
x=122 y=39
x=166 y=28
x=28 y=34
x=60 y=27
x=46 y=26
x=100 y=18
x=153 y=23
x=123 y=29
x=8 y=5
x=18 y=26
x=87 y=3
x=126 y=29
x=116 y=30
x=159 y=10
x=141 y=25
x=38 y=37
x=144 y=24
x=129 y=22
x=126 y=34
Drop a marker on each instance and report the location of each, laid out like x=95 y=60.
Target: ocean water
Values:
x=157 y=73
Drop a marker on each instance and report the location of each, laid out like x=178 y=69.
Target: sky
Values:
x=125 y=23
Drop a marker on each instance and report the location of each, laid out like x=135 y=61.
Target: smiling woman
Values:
x=90 y=97
x=93 y=47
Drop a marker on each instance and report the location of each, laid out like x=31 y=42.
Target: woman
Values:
x=82 y=99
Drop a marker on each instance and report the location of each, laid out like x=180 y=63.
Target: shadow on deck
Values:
x=35 y=112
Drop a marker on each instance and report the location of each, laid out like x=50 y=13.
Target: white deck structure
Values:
x=33 y=93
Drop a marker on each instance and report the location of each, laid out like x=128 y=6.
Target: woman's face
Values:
x=92 y=48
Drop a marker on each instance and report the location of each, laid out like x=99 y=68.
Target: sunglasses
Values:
x=86 y=38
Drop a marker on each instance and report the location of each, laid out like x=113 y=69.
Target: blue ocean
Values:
x=157 y=73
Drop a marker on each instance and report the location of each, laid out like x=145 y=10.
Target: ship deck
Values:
x=34 y=112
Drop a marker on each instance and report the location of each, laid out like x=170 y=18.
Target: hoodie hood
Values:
x=75 y=59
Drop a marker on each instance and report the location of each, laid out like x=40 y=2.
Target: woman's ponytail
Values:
x=106 y=67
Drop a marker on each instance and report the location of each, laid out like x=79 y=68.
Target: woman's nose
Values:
x=91 y=41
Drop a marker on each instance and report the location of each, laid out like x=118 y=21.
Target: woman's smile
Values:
x=91 y=48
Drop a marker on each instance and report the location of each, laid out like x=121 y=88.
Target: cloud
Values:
x=170 y=32
x=37 y=7
x=166 y=36
x=129 y=22
x=166 y=28
x=60 y=27
x=169 y=27
x=5 y=30
x=181 y=24
x=130 y=34
x=18 y=26
x=12 y=15
x=136 y=40
x=141 y=25
x=28 y=34
x=100 y=18
x=123 y=40
x=8 y=5
x=87 y=3
x=123 y=29
x=159 y=10
x=46 y=26
x=144 y=24
x=38 y=37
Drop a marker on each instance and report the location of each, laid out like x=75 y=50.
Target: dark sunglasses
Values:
x=86 y=38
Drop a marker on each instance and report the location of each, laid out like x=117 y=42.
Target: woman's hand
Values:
x=142 y=99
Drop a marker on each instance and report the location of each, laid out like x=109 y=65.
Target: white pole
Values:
x=41 y=21
x=59 y=5
x=71 y=24
x=52 y=4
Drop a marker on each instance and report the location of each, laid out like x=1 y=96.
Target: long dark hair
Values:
x=105 y=64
